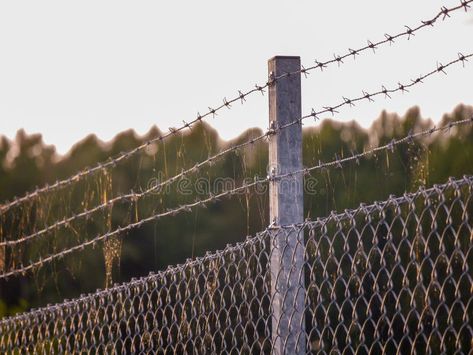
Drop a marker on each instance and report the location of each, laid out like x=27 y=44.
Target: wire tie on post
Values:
x=272 y=175
x=271 y=79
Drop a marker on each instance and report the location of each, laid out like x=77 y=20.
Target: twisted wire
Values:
x=338 y=162
x=271 y=131
x=133 y=196
x=392 y=200
x=390 y=39
x=22 y=270
x=384 y=91
x=125 y=156
x=439 y=189
x=408 y=32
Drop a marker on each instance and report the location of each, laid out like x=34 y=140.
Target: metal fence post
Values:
x=286 y=208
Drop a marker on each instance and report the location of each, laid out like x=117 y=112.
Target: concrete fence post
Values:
x=286 y=208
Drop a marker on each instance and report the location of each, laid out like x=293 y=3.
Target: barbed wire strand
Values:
x=384 y=91
x=22 y=270
x=271 y=131
x=390 y=39
x=159 y=275
x=380 y=205
x=129 y=197
x=409 y=32
x=338 y=162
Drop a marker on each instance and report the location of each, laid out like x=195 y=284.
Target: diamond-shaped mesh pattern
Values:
x=209 y=305
x=395 y=276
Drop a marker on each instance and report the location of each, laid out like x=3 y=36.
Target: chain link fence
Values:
x=394 y=276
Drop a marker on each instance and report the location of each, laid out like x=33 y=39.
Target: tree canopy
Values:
x=26 y=162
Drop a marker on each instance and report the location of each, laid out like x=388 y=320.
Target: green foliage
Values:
x=27 y=162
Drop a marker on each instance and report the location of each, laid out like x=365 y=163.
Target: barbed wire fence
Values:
x=133 y=196
x=394 y=276
x=338 y=59
x=22 y=270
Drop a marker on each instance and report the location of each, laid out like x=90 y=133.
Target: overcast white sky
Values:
x=70 y=68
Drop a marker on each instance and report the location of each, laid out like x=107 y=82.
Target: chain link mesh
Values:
x=394 y=276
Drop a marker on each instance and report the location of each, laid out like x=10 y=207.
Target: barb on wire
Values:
x=408 y=32
x=338 y=162
x=127 y=155
x=211 y=160
x=22 y=270
x=390 y=39
x=83 y=324
x=407 y=197
x=134 y=197
x=243 y=188
x=402 y=87
x=131 y=284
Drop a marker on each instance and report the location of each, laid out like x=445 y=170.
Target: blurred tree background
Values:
x=27 y=162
